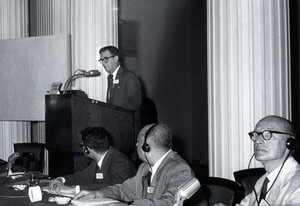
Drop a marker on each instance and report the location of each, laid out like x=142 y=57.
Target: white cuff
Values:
x=63 y=180
x=77 y=189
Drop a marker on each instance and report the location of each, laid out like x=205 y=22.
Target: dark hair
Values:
x=112 y=49
x=96 y=138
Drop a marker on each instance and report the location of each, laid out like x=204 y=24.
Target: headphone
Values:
x=291 y=143
x=145 y=146
x=85 y=150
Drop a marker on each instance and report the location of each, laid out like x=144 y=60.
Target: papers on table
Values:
x=91 y=202
x=45 y=189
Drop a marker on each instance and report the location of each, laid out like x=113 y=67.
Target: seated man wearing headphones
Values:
x=158 y=177
x=274 y=143
x=109 y=166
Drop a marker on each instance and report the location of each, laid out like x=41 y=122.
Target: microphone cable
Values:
x=278 y=172
x=146 y=175
x=248 y=173
x=256 y=195
x=148 y=164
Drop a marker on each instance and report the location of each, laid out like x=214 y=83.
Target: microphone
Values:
x=11 y=159
x=92 y=73
x=186 y=190
x=76 y=75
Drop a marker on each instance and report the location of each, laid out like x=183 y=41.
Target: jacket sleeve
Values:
x=121 y=168
x=176 y=177
x=133 y=92
x=85 y=176
x=125 y=192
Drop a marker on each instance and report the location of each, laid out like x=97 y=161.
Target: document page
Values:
x=91 y=202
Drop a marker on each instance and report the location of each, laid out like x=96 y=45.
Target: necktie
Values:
x=149 y=178
x=109 y=87
x=146 y=183
x=263 y=192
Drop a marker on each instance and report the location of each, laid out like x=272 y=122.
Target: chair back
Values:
x=248 y=177
x=31 y=156
x=221 y=190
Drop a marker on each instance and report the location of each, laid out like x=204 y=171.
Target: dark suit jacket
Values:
x=127 y=92
x=116 y=168
x=171 y=173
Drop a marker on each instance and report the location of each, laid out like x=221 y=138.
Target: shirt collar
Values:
x=156 y=165
x=101 y=160
x=272 y=176
x=115 y=72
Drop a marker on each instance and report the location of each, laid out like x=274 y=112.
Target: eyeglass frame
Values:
x=105 y=59
x=262 y=134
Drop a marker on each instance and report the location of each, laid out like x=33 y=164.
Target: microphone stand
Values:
x=68 y=83
x=71 y=79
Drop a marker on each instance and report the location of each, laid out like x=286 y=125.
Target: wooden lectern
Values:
x=68 y=114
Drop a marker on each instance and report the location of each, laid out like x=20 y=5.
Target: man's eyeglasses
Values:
x=266 y=134
x=105 y=59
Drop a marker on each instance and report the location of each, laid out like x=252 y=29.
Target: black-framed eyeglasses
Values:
x=266 y=134
x=105 y=59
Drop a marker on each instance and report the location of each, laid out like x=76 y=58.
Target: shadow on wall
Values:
x=148 y=112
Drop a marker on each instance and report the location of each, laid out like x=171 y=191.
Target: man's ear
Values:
x=86 y=150
x=116 y=58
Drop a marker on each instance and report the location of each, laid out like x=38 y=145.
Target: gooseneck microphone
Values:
x=91 y=73
x=11 y=159
x=77 y=74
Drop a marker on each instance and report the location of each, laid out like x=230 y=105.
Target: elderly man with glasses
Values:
x=109 y=166
x=123 y=86
x=274 y=143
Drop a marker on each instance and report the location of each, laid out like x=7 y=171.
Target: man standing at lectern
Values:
x=123 y=86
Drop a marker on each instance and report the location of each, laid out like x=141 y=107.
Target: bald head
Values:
x=160 y=136
x=158 y=140
x=277 y=123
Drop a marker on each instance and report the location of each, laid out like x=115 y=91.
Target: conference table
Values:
x=9 y=196
x=12 y=194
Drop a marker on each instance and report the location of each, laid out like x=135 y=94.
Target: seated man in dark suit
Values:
x=109 y=166
x=158 y=177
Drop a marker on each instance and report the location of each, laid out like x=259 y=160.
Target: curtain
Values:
x=248 y=76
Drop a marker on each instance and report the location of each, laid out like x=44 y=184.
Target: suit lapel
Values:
x=105 y=163
x=278 y=186
x=159 y=170
x=283 y=179
x=118 y=78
